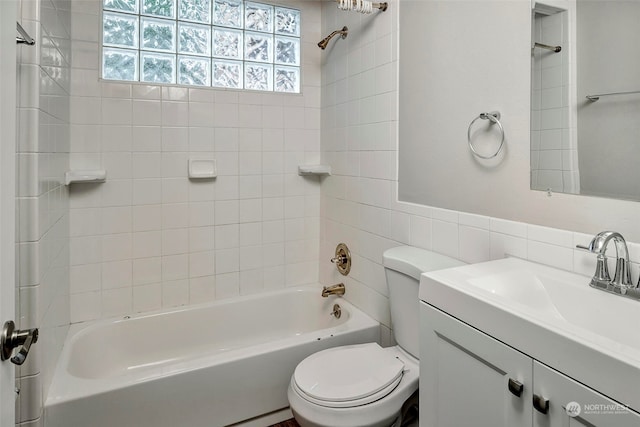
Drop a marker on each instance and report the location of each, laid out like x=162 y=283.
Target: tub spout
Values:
x=333 y=290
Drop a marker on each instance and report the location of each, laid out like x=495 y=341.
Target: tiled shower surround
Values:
x=42 y=229
x=149 y=237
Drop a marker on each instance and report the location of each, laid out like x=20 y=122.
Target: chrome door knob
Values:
x=12 y=338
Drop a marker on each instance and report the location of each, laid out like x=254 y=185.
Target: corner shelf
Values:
x=85 y=176
x=314 y=170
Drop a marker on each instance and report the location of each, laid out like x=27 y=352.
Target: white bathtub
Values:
x=203 y=366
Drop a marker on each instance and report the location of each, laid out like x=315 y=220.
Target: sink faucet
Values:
x=621 y=282
x=333 y=290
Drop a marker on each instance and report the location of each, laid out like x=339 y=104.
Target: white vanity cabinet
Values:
x=468 y=378
x=561 y=391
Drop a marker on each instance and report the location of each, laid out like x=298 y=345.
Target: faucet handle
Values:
x=622 y=276
x=584 y=248
x=601 y=278
x=342 y=259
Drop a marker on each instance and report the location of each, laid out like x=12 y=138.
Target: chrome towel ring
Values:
x=494 y=118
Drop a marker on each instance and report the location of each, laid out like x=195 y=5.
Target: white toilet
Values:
x=365 y=384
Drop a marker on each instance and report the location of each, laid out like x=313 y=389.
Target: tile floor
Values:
x=287 y=423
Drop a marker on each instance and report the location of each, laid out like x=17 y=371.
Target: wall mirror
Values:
x=585 y=99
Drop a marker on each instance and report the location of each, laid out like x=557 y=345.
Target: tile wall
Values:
x=359 y=201
x=359 y=124
x=42 y=199
x=149 y=237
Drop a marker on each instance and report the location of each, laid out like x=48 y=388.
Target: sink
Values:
x=552 y=315
x=530 y=292
x=565 y=300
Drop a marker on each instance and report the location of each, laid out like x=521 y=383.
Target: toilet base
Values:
x=393 y=421
x=408 y=411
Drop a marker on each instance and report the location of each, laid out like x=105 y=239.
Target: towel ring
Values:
x=494 y=118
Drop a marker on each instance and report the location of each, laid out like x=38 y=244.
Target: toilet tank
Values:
x=403 y=266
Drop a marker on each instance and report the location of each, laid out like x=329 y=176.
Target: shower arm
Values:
x=325 y=41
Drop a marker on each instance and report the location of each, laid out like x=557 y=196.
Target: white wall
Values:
x=150 y=238
x=43 y=205
x=359 y=202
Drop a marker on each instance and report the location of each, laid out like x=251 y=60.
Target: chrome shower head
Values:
x=325 y=41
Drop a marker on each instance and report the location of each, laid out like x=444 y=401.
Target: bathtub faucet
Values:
x=333 y=290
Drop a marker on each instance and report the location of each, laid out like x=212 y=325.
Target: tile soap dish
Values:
x=317 y=170
x=202 y=168
x=86 y=176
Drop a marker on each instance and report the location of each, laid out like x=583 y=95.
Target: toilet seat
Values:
x=348 y=376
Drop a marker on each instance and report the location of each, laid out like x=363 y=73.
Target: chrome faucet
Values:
x=333 y=290
x=621 y=282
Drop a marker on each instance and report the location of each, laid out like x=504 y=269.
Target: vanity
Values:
x=514 y=343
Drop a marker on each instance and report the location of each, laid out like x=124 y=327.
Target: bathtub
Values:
x=201 y=366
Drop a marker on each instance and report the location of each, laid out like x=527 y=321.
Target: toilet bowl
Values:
x=366 y=385
x=359 y=385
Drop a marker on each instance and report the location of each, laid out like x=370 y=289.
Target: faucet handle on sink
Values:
x=601 y=277
x=622 y=276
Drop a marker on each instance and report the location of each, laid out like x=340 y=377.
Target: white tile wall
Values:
x=149 y=237
x=43 y=210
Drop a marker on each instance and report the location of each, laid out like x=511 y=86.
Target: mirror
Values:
x=585 y=99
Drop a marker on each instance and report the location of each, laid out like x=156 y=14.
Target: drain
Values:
x=337 y=311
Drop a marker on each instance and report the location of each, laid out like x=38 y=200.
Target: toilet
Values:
x=365 y=384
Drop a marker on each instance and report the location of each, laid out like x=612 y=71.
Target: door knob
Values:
x=12 y=338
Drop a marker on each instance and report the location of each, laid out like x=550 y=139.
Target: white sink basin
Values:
x=551 y=315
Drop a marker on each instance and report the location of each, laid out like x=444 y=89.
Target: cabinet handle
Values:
x=541 y=404
x=515 y=387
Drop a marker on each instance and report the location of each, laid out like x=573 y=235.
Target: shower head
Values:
x=325 y=41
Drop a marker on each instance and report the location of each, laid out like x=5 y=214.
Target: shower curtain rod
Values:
x=594 y=98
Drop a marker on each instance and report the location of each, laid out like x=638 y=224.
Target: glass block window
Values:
x=221 y=43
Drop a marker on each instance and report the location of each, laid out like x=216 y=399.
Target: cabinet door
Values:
x=586 y=406
x=464 y=376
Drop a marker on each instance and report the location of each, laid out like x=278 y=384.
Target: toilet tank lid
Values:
x=414 y=261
